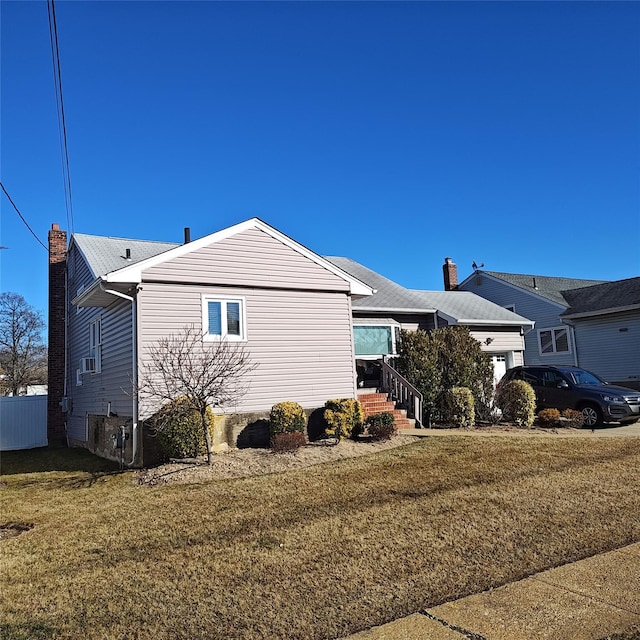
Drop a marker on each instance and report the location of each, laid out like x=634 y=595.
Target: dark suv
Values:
x=574 y=388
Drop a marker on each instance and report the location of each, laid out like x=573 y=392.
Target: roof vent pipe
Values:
x=127 y=254
x=187 y=235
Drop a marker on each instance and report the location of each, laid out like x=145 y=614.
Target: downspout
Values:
x=572 y=335
x=134 y=368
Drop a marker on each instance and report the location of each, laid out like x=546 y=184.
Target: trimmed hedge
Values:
x=287 y=417
x=179 y=429
x=344 y=418
x=381 y=426
x=460 y=407
x=287 y=442
x=517 y=400
x=549 y=418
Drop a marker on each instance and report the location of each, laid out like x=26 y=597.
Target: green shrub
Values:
x=381 y=426
x=442 y=359
x=288 y=441
x=286 y=417
x=517 y=400
x=549 y=418
x=344 y=418
x=179 y=429
x=460 y=407
x=573 y=419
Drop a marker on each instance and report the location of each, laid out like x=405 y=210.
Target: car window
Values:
x=551 y=379
x=580 y=376
x=532 y=376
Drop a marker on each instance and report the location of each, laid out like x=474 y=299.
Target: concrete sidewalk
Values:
x=586 y=600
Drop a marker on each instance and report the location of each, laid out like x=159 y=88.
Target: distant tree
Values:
x=23 y=354
x=200 y=374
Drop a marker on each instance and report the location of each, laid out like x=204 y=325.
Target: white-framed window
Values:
x=224 y=319
x=374 y=340
x=554 y=340
x=95 y=343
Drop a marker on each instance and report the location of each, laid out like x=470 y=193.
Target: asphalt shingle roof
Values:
x=600 y=297
x=463 y=306
x=548 y=287
x=105 y=254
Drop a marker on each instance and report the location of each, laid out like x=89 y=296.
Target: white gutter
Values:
x=134 y=370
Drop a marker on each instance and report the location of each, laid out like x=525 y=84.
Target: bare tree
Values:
x=23 y=354
x=205 y=373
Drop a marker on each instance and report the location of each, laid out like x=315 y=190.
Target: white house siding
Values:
x=251 y=258
x=603 y=348
x=544 y=313
x=300 y=340
x=113 y=384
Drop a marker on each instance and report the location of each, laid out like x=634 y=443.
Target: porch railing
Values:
x=402 y=392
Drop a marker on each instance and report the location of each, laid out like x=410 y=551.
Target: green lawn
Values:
x=315 y=553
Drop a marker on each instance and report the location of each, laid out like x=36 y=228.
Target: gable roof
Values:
x=106 y=257
x=461 y=307
x=549 y=287
x=608 y=297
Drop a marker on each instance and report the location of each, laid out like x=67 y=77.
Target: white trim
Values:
x=79 y=290
x=223 y=300
x=95 y=343
x=552 y=330
x=133 y=273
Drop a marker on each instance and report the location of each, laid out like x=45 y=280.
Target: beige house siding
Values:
x=301 y=341
x=250 y=258
x=501 y=340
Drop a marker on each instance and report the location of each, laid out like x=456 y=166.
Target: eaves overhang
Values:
x=600 y=312
x=97 y=293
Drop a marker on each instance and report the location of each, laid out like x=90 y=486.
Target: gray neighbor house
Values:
x=592 y=324
x=311 y=325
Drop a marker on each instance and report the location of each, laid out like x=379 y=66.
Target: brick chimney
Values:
x=450 y=272
x=57 y=307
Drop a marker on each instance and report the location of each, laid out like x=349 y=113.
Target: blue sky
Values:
x=393 y=133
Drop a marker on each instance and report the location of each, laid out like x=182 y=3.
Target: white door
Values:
x=499 y=367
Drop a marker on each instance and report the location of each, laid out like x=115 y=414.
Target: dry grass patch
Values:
x=313 y=553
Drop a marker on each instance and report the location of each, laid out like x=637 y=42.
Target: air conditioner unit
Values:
x=88 y=365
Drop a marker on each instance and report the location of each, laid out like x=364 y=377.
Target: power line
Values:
x=62 y=123
x=22 y=218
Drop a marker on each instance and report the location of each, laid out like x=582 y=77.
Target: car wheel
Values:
x=591 y=415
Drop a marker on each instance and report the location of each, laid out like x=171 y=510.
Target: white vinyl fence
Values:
x=23 y=422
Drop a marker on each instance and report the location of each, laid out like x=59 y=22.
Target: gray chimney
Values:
x=450 y=272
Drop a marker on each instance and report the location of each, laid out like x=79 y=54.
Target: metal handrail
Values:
x=402 y=392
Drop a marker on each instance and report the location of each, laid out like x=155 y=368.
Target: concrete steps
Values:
x=374 y=402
